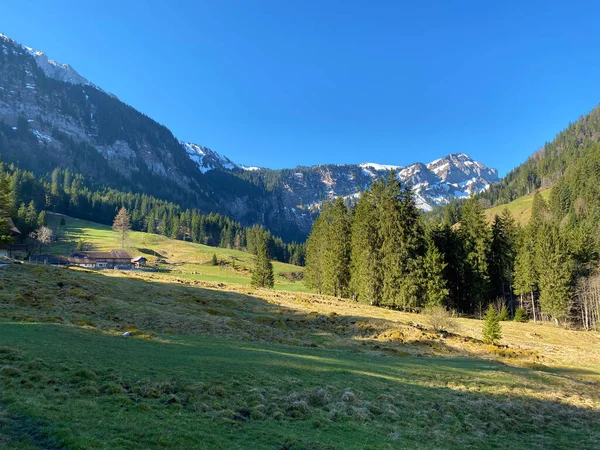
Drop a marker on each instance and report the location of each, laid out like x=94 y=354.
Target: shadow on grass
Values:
x=453 y=402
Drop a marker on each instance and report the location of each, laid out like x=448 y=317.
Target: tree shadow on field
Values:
x=450 y=402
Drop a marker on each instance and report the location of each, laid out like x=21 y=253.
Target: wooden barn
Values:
x=115 y=259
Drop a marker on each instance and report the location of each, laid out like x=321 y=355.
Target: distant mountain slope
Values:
x=436 y=183
x=546 y=166
x=51 y=116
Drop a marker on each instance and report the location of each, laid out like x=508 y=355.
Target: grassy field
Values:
x=211 y=366
x=185 y=259
x=519 y=208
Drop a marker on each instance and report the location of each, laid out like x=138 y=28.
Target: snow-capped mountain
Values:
x=436 y=183
x=207 y=159
x=50 y=67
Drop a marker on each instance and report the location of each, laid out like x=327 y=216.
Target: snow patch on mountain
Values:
x=207 y=159
x=50 y=67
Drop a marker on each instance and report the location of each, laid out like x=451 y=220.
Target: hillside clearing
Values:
x=181 y=258
x=519 y=208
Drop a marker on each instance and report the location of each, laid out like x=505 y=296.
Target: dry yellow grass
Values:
x=258 y=368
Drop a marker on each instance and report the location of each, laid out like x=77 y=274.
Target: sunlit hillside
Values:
x=184 y=259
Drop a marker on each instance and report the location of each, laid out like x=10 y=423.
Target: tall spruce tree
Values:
x=475 y=234
x=435 y=289
x=336 y=251
x=5 y=209
x=525 y=273
x=315 y=251
x=366 y=267
x=556 y=276
x=401 y=245
x=262 y=273
x=502 y=256
x=529 y=264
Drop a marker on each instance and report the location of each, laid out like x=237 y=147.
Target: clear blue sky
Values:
x=286 y=83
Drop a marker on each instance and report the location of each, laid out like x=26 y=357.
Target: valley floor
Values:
x=211 y=366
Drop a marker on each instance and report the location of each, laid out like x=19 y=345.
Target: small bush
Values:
x=520 y=315
x=439 y=318
x=504 y=316
x=492 y=331
x=9 y=371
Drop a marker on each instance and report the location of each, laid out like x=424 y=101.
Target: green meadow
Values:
x=241 y=368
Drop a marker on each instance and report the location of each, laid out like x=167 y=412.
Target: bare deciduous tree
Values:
x=588 y=301
x=122 y=225
x=42 y=236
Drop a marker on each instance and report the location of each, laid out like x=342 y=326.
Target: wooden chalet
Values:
x=139 y=261
x=115 y=259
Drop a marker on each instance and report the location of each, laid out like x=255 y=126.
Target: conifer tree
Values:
x=475 y=234
x=502 y=255
x=526 y=275
x=556 y=276
x=503 y=316
x=366 y=268
x=520 y=315
x=336 y=251
x=122 y=225
x=262 y=274
x=315 y=250
x=42 y=221
x=5 y=205
x=401 y=245
x=492 y=332
x=214 y=261
x=436 y=291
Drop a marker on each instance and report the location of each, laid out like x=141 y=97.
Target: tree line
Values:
x=65 y=192
x=384 y=252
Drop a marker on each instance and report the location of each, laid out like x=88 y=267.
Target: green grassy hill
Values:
x=242 y=368
x=184 y=259
x=519 y=208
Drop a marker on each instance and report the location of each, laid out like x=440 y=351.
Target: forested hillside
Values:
x=545 y=167
x=66 y=193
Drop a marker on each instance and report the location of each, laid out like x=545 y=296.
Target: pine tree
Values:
x=436 y=291
x=262 y=274
x=42 y=221
x=401 y=245
x=556 y=276
x=366 y=268
x=315 y=250
x=504 y=316
x=214 y=261
x=5 y=205
x=475 y=235
x=122 y=225
x=526 y=269
x=336 y=251
x=502 y=255
x=492 y=332
x=520 y=315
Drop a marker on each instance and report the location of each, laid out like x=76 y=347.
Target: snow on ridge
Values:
x=250 y=168
x=380 y=167
x=41 y=137
x=207 y=159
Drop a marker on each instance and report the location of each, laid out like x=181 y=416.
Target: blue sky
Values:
x=286 y=83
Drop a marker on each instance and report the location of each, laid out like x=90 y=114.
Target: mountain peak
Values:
x=51 y=67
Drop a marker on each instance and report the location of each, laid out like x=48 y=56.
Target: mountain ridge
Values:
x=57 y=118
